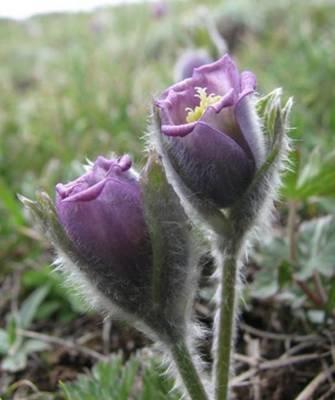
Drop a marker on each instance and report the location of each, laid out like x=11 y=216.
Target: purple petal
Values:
x=125 y=162
x=248 y=84
x=178 y=130
x=212 y=164
x=104 y=163
x=185 y=129
x=102 y=214
x=225 y=123
x=88 y=194
x=110 y=229
x=218 y=77
x=176 y=101
x=247 y=121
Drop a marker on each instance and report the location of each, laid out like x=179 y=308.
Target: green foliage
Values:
x=271 y=255
x=14 y=348
x=315 y=249
x=60 y=301
x=118 y=381
x=314 y=178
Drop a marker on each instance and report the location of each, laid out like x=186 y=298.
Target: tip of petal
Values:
x=248 y=84
x=224 y=62
x=125 y=162
x=88 y=194
x=61 y=190
x=178 y=130
x=227 y=100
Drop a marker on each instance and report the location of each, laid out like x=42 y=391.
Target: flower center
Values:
x=206 y=100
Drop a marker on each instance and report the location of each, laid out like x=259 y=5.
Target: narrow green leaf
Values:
x=4 y=342
x=29 y=307
x=34 y=346
x=330 y=307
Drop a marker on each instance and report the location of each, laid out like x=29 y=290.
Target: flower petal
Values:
x=218 y=77
x=248 y=122
x=178 y=130
x=109 y=230
x=248 y=84
x=225 y=121
x=86 y=194
x=211 y=164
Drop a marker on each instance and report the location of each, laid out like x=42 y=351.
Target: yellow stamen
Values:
x=205 y=101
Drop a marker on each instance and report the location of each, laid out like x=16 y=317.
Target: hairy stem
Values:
x=188 y=372
x=224 y=334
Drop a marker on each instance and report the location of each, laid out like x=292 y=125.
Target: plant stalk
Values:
x=188 y=372
x=224 y=335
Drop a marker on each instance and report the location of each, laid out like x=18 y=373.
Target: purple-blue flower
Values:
x=188 y=61
x=159 y=9
x=126 y=239
x=211 y=131
x=102 y=214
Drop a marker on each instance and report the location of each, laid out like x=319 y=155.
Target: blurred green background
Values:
x=76 y=86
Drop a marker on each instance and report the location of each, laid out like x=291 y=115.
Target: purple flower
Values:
x=126 y=236
x=159 y=9
x=211 y=131
x=103 y=216
x=188 y=61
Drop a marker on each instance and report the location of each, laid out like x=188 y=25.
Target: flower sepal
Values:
x=174 y=255
x=198 y=208
x=255 y=204
x=43 y=212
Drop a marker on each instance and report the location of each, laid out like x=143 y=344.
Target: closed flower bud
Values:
x=102 y=215
x=159 y=9
x=188 y=61
x=125 y=239
x=211 y=133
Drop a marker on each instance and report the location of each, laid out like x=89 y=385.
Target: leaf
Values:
x=59 y=297
x=315 y=179
x=318 y=176
x=4 y=342
x=157 y=385
x=34 y=346
x=15 y=362
x=118 y=381
x=272 y=256
x=12 y=329
x=331 y=298
x=265 y=285
x=316 y=247
x=284 y=274
x=29 y=307
x=128 y=379
x=272 y=252
x=48 y=308
x=316 y=316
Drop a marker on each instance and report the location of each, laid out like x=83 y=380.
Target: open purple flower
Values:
x=211 y=131
x=102 y=214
